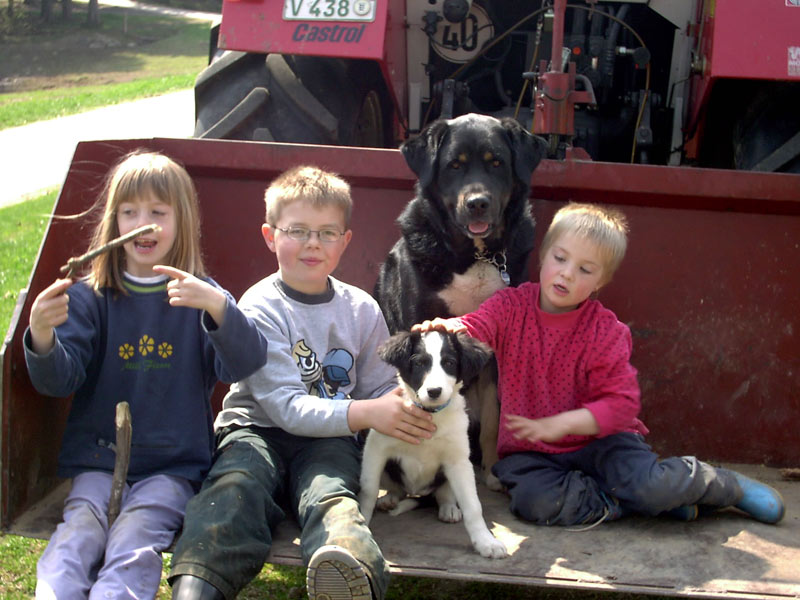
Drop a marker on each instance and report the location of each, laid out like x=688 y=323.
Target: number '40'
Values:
x=465 y=38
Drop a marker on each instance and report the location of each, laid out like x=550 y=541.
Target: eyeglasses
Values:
x=302 y=234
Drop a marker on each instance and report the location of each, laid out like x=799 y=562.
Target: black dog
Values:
x=467 y=232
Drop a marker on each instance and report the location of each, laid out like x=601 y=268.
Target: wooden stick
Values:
x=123 y=449
x=74 y=263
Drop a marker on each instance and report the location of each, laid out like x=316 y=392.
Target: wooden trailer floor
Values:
x=720 y=555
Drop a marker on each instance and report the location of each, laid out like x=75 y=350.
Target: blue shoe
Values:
x=759 y=500
x=688 y=512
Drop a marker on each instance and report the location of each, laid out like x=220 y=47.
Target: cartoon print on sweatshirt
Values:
x=306 y=360
x=323 y=380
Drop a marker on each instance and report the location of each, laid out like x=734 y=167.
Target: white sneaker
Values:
x=335 y=574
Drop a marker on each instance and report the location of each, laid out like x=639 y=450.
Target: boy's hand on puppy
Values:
x=392 y=415
x=184 y=289
x=49 y=310
x=439 y=324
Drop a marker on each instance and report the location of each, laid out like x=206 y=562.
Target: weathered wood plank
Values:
x=721 y=555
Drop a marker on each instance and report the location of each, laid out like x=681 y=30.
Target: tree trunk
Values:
x=93 y=14
x=10 y=9
x=46 y=10
x=66 y=10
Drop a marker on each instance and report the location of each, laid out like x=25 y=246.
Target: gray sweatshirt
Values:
x=322 y=355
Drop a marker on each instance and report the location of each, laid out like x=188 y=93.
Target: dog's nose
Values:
x=434 y=392
x=477 y=204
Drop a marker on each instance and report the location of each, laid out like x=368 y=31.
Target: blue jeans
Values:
x=572 y=488
x=227 y=531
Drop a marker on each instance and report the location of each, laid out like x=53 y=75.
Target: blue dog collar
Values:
x=431 y=410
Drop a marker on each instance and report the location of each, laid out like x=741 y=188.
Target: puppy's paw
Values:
x=490 y=547
x=405 y=505
x=492 y=482
x=388 y=501
x=449 y=513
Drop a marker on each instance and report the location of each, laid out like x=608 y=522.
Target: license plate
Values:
x=329 y=10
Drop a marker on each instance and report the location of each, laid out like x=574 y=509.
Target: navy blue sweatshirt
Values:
x=163 y=360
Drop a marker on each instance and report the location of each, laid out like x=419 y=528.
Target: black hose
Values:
x=610 y=47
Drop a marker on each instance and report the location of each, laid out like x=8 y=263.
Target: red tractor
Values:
x=666 y=82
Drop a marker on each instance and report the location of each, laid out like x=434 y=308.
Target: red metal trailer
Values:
x=709 y=289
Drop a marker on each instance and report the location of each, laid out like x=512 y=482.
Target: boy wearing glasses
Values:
x=286 y=434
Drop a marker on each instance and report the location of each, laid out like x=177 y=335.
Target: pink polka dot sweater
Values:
x=552 y=363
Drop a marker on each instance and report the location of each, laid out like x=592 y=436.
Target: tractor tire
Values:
x=297 y=99
x=771 y=122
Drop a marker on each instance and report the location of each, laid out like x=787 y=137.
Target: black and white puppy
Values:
x=432 y=369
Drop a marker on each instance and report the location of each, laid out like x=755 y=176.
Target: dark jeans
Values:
x=227 y=531
x=569 y=489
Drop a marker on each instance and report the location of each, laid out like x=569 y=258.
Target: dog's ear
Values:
x=474 y=356
x=420 y=152
x=397 y=349
x=528 y=149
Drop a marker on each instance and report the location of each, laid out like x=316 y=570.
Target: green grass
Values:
x=18 y=573
x=65 y=68
x=21 y=228
x=39 y=105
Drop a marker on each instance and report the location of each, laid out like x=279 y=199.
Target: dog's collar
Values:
x=429 y=409
x=496 y=259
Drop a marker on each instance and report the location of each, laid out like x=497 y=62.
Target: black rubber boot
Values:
x=189 y=587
